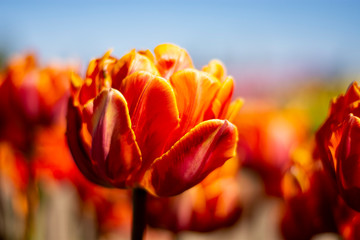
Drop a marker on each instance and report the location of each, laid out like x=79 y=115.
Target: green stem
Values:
x=31 y=197
x=139 y=214
x=2 y=211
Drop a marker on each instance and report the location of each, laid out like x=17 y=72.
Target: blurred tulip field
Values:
x=179 y=120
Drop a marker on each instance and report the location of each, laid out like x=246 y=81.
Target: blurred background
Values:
x=288 y=60
x=262 y=43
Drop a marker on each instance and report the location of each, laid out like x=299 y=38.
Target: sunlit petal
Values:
x=195 y=92
x=222 y=100
x=130 y=63
x=192 y=158
x=216 y=68
x=170 y=59
x=234 y=109
x=153 y=112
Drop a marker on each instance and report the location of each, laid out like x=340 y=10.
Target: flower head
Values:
x=338 y=142
x=150 y=121
x=267 y=135
x=30 y=96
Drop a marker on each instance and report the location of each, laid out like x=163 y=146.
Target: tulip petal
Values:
x=348 y=170
x=328 y=138
x=345 y=104
x=114 y=148
x=170 y=59
x=216 y=68
x=130 y=63
x=97 y=77
x=78 y=152
x=234 y=109
x=195 y=92
x=153 y=112
x=205 y=148
x=222 y=100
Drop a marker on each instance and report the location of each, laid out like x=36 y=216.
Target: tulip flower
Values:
x=267 y=135
x=30 y=96
x=150 y=121
x=338 y=142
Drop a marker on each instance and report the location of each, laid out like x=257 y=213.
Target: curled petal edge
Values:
x=204 y=148
x=80 y=156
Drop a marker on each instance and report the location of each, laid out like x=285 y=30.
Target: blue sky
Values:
x=248 y=36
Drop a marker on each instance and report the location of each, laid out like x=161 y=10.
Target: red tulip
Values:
x=338 y=142
x=150 y=122
x=310 y=199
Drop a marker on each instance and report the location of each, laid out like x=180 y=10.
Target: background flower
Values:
x=337 y=142
x=30 y=96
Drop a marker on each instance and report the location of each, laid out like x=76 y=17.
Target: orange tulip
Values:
x=212 y=204
x=30 y=96
x=338 y=142
x=52 y=160
x=267 y=135
x=150 y=121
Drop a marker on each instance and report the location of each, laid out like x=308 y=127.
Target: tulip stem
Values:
x=2 y=210
x=139 y=214
x=31 y=202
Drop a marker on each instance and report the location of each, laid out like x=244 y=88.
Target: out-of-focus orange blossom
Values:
x=30 y=96
x=267 y=136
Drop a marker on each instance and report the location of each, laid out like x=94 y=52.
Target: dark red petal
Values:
x=205 y=148
x=348 y=162
x=78 y=152
x=113 y=147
